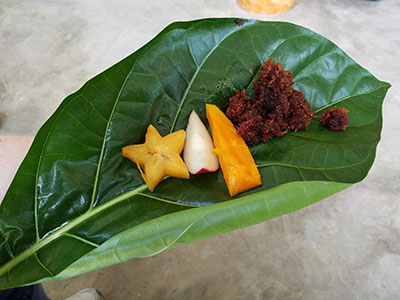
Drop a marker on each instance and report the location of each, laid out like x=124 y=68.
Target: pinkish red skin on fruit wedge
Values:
x=202 y=171
x=197 y=153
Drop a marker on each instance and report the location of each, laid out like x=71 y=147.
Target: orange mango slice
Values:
x=237 y=164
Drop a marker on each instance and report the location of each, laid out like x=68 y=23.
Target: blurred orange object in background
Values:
x=267 y=7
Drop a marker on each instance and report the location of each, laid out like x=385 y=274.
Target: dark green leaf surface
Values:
x=76 y=204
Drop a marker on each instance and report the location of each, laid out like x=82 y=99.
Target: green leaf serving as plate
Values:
x=76 y=204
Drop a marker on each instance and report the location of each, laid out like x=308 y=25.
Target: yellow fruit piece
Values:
x=237 y=165
x=158 y=156
x=267 y=6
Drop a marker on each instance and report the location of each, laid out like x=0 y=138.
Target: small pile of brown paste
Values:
x=335 y=118
x=274 y=109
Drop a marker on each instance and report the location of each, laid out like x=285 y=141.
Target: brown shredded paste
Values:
x=274 y=109
x=335 y=118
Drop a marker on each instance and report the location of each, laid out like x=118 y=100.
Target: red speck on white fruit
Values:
x=197 y=152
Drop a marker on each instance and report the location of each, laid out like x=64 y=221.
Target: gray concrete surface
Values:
x=345 y=247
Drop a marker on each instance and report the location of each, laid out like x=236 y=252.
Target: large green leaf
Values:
x=75 y=204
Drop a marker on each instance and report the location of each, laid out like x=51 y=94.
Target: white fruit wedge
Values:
x=197 y=152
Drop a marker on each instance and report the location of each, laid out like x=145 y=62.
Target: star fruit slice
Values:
x=159 y=156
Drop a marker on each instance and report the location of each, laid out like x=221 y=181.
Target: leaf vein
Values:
x=93 y=107
x=101 y=156
x=184 y=97
x=42 y=265
x=166 y=200
x=39 y=165
x=351 y=96
x=311 y=63
x=277 y=164
x=80 y=239
x=82 y=124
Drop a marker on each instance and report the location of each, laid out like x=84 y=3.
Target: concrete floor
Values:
x=345 y=247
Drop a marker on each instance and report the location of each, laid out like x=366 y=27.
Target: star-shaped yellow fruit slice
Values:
x=158 y=156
